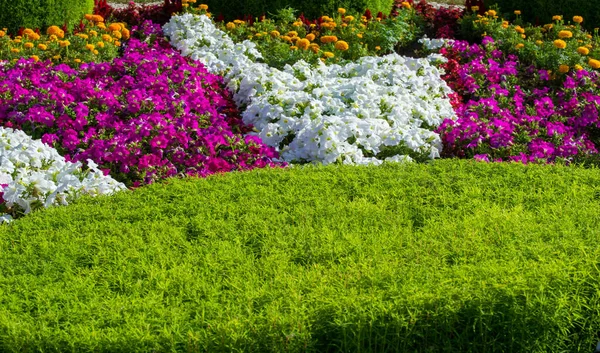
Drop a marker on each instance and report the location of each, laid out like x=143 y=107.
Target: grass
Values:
x=454 y=256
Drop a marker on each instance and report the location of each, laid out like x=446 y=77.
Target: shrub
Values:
x=42 y=13
x=232 y=9
x=455 y=256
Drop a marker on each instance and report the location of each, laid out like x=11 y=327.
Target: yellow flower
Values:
x=28 y=45
x=33 y=36
x=101 y=25
x=341 y=45
x=490 y=13
x=519 y=46
x=556 y=18
x=563 y=69
x=286 y=38
x=565 y=34
x=81 y=35
x=405 y=4
x=116 y=34
x=114 y=27
x=342 y=11
x=523 y=36
x=588 y=36
x=583 y=50
x=474 y=8
x=35 y=57
x=238 y=22
x=64 y=43
x=314 y=47
x=42 y=46
x=16 y=40
x=93 y=33
x=539 y=42
x=117 y=43
x=203 y=7
x=275 y=34
x=310 y=37
x=56 y=57
x=15 y=50
x=90 y=47
x=517 y=12
x=578 y=67
x=519 y=29
x=577 y=19
x=594 y=63
x=97 y=18
x=297 y=24
x=100 y=44
x=293 y=47
x=107 y=38
x=504 y=24
x=348 y=18
x=328 y=54
x=328 y=39
x=560 y=44
x=292 y=33
x=95 y=52
x=230 y=25
x=378 y=48
x=77 y=60
x=359 y=35
x=2 y=34
x=294 y=39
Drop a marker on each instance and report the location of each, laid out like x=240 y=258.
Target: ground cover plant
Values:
x=456 y=256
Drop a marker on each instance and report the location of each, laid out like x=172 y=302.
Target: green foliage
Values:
x=452 y=256
x=42 y=13
x=541 y=11
x=312 y=9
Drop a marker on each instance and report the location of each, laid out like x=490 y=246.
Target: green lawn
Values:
x=452 y=256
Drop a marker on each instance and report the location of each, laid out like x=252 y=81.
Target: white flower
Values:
x=34 y=175
x=326 y=113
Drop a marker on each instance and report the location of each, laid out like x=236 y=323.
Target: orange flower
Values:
x=28 y=45
x=556 y=18
x=2 y=34
x=303 y=43
x=348 y=18
x=116 y=34
x=114 y=27
x=310 y=37
x=64 y=43
x=563 y=69
x=560 y=44
x=594 y=63
x=117 y=43
x=203 y=7
x=42 y=46
x=125 y=33
x=342 y=11
x=314 y=47
x=107 y=38
x=583 y=50
x=578 y=67
x=328 y=39
x=35 y=57
x=328 y=54
x=341 y=45
x=405 y=4
x=97 y=18
x=577 y=19
x=230 y=25
x=519 y=46
x=517 y=12
x=565 y=34
x=275 y=34
x=100 y=44
x=90 y=47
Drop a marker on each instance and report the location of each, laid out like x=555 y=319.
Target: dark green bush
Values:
x=455 y=256
x=541 y=11
x=312 y=9
x=42 y=13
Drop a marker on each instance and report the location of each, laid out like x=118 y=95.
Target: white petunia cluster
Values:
x=33 y=175
x=375 y=109
x=435 y=43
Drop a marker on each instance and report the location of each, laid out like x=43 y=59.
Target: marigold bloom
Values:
x=14 y=50
x=310 y=37
x=348 y=19
x=93 y=33
x=303 y=43
x=292 y=33
x=293 y=47
x=519 y=29
x=16 y=40
x=577 y=19
x=81 y=35
x=342 y=11
x=504 y=24
x=116 y=34
x=565 y=34
x=519 y=46
x=42 y=46
x=517 y=12
x=77 y=60
x=64 y=43
x=117 y=43
x=583 y=50
x=563 y=69
x=328 y=39
x=314 y=47
x=491 y=13
x=230 y=25
x=359 y=35
x=341 y=45
x=405 y=4
x=125 y=34
x=114 y=27
x=560 y=44
x=556 y=18
x=539 y=42
x=594 y=63
x=101 y=25
x=297 y=24
x=88 y=16
x=107 y=38
x=97 y=18
x=28 y=45
x=378 y=48
x=100 y=44
x=328 y=54
x=90 y=47
x=35 y=57
x=474 y=8
x=275 y=34
x=27 y=31
x=578 y=67
x=203 y=7
x=286 y=38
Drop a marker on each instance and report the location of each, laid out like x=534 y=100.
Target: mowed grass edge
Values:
x=450 y=256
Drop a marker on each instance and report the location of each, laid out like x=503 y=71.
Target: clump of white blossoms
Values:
x=33 y=175
x=375 y=109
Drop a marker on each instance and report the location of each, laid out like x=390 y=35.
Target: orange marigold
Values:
x=577 y=19
x=341 y=45
x=328 y=39
x=563 y=69
x=310 y=37
x=560 y=44
x=303 y=43
x=565 y=34
x=583 y=50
